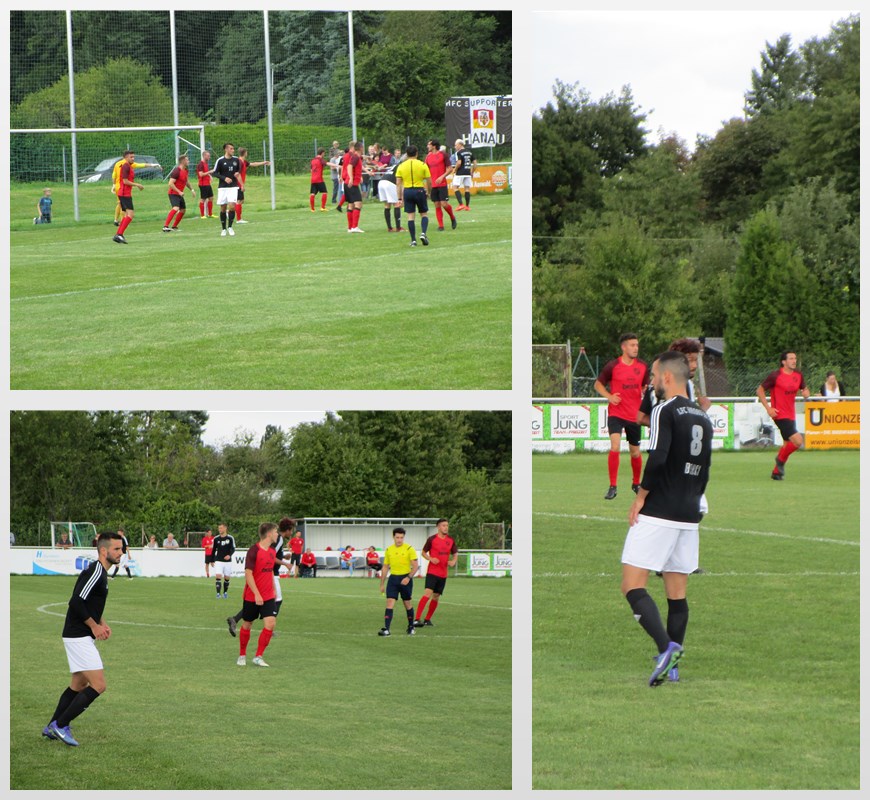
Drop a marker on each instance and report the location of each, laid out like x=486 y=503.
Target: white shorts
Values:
x=278 y=595
x=224 y=568
x=125 y=560
x=82 y=654
x=661 y=545
x=227 y=194
x=460 y=181
x=387 y=192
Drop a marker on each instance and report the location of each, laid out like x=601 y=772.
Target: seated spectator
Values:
x=64 y=540
x=309 y=564
x=373 y=563
x=152 y=543
x=170 y=542
x=346 y=559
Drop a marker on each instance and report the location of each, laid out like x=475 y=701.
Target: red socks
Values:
x=636 y=464
x=613 y=465
x=311 y=201
x=349 y=218
x=439 y=215
x=785 y=451
x=244 y=638
x=421 y=605
x=449 y=210
x=356 y=213
x=201 y=208
x=178 y=217
x=323 y=201
x=210 y=206
x=263 y=641
x=169 y=217
x=238 y=211
x=432 y=606
x=123 y=226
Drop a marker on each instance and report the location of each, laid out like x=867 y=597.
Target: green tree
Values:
x=100 y=92
x=37 y=51
x=240 y=52
x=771 y=308
x=777 y=85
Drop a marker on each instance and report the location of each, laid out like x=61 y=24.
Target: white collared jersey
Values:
x=678 y=462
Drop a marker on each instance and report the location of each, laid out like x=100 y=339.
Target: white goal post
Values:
x=74 y=151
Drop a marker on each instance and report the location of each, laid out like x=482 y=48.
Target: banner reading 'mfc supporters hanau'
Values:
x=482 y=121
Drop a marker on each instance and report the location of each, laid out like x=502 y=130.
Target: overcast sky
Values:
x=222 y=426
x=690 y=68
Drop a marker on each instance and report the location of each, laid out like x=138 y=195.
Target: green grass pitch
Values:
x=291 y=302
x=339 y=707
x=769 y=690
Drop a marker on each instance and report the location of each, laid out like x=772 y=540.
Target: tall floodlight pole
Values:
x=268 y=60
x=352 y=83
x=174 y=80
x=72 y=114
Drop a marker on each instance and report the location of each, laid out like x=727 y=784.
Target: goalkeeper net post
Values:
x=81 y=534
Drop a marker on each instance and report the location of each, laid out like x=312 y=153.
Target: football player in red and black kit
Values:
x=439 y=168
x=259 y=596
x=351 y=171
x=177 y=184
x=318 y=185
x=627 y=377
x=783 y=385
x=243 y=161
x=206 y=193
x=441 y=553
x=125 y=194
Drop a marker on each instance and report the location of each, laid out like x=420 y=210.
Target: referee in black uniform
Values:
x=663 y=519
x=84 y=623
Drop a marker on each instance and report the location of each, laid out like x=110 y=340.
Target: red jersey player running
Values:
x=783 y=385
x=317 y=182
x=627 y=377
x=125 y=194
x=259 y=597
x=177 y=184
x=440 y=551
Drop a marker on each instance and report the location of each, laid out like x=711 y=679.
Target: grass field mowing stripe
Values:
x=713 y=529
x=588 y=575
x=220 y=275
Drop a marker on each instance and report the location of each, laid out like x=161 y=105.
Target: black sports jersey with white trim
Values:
x=88 y=601
x=227 y=168
x=223 y=546
x=279 y=554
x=678 y=463
x=464 y=161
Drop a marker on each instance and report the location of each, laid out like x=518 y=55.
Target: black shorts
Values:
x=618 y=425
x=240 y=196
x=318 y=188
x=352 y=194
x=177 y=201
x=296 y=558
x=209 y=558
x=376 y=567
x=205 y=191
x=436 y=583
x=439 y=193
x=126 y=203
x=787 y=427
x=250 y=610
x=396 y=589
x=415 y=200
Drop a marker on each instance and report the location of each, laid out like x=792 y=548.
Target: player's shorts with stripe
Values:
x=126 y=203
x=436 y=583
x=662 y=545
x=318 y=188
x=415 y=200
x=439 y=193
x=205 y=191
x=618 y=425
x=251 y=611
x=353 y=194
x=460 y=181
x=82 y=654
x=787 y=427
x=224 y=568
x=177 y=201
x=228 y=194
x=396 y=589
x=387 y=192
